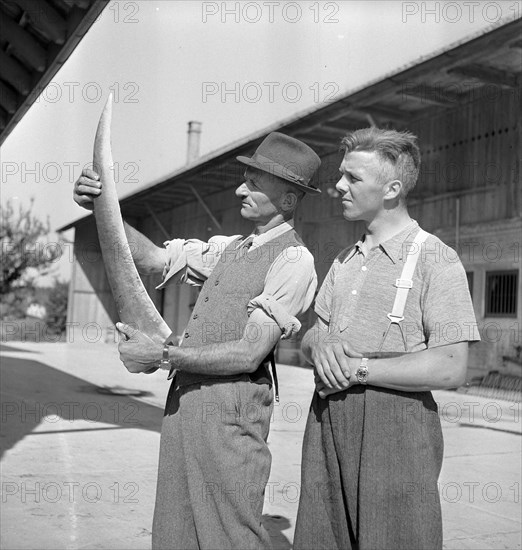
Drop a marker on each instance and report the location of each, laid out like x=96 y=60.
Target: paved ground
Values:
x=79 y=466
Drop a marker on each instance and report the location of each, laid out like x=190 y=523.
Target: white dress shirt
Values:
x=290 y=282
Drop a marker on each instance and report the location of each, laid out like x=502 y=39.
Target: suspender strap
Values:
x=404 y=284
x=406 y=281
x=274 y=375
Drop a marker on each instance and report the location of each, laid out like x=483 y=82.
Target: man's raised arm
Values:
x=148 y=257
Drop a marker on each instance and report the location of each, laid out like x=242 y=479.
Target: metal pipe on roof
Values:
x=193 y=140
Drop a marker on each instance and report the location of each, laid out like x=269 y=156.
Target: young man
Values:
x=214 y=461
x=383 y=339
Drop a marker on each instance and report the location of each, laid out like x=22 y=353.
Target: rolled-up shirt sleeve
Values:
x=191 y=261
x=290 y=286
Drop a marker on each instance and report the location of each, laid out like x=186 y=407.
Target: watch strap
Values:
x=165 y=359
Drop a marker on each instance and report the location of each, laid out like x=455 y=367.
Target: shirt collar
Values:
x=393 y=248
x=271 y=234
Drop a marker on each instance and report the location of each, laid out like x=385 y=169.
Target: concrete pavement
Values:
x=79 y=462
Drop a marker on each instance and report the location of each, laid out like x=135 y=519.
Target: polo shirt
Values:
x=359 y=291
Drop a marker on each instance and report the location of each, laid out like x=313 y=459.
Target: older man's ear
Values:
x=289 y=201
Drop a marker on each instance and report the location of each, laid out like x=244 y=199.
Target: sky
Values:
x=236 y=67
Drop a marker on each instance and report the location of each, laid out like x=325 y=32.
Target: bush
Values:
x=23 y=254
x=14 y=304
x=57 y=307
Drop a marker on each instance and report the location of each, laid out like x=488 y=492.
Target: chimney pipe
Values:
x=193 y=138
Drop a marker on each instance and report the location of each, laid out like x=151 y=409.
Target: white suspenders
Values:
x=404 y=284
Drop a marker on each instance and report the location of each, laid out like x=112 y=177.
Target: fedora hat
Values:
x=287 y=158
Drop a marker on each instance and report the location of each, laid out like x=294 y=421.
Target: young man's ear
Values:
x=393 y=189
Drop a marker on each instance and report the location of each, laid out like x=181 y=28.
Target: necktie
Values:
x=244 y=247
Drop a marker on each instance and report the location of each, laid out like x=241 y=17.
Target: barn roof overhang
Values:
x=445 y=80
x=37 y=37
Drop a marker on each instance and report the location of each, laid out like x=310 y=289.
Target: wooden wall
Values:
x=90 y=300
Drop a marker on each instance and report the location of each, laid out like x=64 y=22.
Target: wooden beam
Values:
x=374 y=94
x=473 y=50
x=329 y=126
x=82 y=4
x=205 y=188
x=157 y=221
x=334 y=131
x=205 y=207
x=336 y=127
x=15 y=74
x=74 y=18
x=43 y=62
x=386 y=113
x=344 y=112
x=214 y=177
x=203 y=181
x=46 y=19
x=311 y=139
x=8 y=98
x=371 y=120
x=439 y=95
x=487 y=74
x=3 y=118
x=165 y=196
x=23 y=43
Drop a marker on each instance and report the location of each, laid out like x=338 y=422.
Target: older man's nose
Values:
x=241 y=190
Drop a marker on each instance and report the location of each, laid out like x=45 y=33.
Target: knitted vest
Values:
x=220 y=314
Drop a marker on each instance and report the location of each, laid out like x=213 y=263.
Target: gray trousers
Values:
x=371 y=461
x=213 y=468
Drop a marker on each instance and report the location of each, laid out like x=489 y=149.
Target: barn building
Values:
x=463 y=103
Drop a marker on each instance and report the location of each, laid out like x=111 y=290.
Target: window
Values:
x=501 y=293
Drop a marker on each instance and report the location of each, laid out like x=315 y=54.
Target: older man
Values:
x=394 y=321
x=214 y=460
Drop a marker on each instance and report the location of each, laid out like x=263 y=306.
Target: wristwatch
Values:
x=165 y=360
x=362 y=371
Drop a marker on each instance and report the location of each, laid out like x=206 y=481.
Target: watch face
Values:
x=362 y=375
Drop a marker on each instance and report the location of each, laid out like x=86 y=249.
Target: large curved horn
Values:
x=133 y=303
